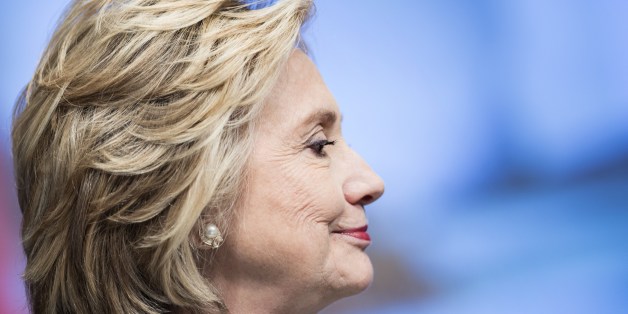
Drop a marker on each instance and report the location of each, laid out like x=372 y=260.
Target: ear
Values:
x=211 y=235
x=206 y=234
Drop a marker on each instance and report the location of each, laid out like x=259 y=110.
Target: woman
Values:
x=184 y=156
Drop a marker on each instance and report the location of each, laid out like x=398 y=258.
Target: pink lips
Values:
x=359 y=233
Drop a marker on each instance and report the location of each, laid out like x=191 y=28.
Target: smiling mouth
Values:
x=358 y=233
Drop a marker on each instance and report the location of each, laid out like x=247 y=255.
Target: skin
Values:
x=282 y=254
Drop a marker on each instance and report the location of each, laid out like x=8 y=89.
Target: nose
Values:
x=363 y=186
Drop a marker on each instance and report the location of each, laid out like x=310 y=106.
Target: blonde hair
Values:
x=136 y=125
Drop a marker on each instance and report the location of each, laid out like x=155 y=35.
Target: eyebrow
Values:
x=324 y=117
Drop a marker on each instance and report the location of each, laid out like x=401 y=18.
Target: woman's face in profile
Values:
x=300 y=227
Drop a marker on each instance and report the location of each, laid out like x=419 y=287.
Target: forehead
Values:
x=299 y=98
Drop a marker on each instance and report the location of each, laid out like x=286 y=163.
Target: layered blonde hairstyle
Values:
x=136 y=125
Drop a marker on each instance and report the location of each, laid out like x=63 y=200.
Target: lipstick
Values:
x=359 y=233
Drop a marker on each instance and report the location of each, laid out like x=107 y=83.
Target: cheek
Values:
x=307 y=195
x=283 y=223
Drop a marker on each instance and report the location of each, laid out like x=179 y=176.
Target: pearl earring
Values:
x=211 y=236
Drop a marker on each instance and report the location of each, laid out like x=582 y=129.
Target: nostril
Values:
x=367 y=199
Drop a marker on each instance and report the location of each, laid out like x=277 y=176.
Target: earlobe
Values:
x=206 y=236
x=211 y=235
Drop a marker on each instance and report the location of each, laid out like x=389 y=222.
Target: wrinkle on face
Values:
x=304 y=205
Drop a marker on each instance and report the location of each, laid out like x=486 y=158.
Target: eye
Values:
x=318 y=146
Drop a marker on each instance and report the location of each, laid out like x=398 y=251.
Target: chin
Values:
x=359 y=275
x=364 y=277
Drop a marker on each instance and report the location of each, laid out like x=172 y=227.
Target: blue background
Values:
x=500 y=128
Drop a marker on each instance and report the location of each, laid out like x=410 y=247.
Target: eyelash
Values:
x=318 y=147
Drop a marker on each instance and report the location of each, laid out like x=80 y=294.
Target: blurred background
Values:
x=499 y=127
